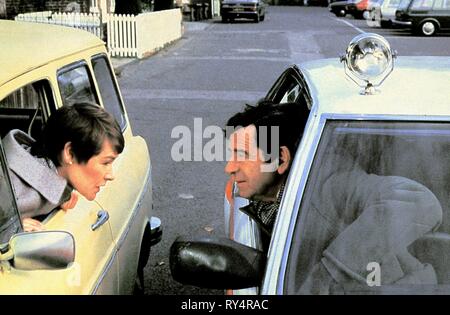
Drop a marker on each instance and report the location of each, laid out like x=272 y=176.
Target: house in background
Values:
x=14 y=7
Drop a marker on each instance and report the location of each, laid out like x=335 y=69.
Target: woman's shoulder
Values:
x=17 y=137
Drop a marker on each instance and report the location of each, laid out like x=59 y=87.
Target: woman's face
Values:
x=88 y=178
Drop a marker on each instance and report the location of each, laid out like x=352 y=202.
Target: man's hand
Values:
x=30 y=225
x=71 y=203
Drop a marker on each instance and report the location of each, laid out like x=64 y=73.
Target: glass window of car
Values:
x=438 y=5
x=24 y=108
x=75 y=84
x=393 y=3
x=422 y=4
x=108 y=89
x=375 y=213
x=9 y=216
x=289 y=88
x=441 y=5
x=404 y=4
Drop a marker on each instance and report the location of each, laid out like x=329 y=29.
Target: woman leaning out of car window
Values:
x=74 y=155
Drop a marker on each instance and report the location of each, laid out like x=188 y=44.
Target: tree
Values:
x=128 y=7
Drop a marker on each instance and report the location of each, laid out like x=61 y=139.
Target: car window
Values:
x=108 y=89
x=422 y=4
x=9 y=216
x=24 y=108
x=289 y=88
x=441 y=5
x=404 y=4
x=375 y=213
x=75 y=85
x=393 y=3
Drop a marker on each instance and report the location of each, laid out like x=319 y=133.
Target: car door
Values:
x=443 y=7
x=129 y=197
x=91 y=271
x=289 y=87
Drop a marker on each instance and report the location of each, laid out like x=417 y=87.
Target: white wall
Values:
x=156 y=29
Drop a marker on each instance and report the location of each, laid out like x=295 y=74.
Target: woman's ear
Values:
x=67 y=155
x=285 y=160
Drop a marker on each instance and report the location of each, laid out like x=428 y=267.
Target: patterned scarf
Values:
x=264 y=212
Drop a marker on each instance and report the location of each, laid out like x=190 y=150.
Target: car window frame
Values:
x=292 y=73
x=116 y=88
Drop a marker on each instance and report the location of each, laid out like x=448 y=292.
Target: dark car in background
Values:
x=353 y=7
x=247 y=9
x=425 y=17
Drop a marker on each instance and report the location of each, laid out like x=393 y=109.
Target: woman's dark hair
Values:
x=85 y=126
x=289 y=117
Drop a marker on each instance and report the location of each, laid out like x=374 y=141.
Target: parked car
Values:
x=247 y=9
x=386 y=12
x=390 y=121
x=100 y=246
x=353 y=7
x=424 y=17
x=372 y=7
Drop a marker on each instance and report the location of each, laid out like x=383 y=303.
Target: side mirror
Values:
x=216 y=263
x=44 y=250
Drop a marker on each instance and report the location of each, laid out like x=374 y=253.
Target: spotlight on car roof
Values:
x=368 y=61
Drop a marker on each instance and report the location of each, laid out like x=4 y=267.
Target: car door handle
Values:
x=102 y=217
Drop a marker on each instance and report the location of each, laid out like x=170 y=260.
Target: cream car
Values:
x=99 y=247
x=366 y=207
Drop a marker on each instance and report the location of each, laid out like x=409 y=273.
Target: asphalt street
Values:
x=209 y=74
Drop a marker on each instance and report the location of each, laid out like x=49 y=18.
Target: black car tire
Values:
x=261 y=18
x=428 y=28
x=256 y=18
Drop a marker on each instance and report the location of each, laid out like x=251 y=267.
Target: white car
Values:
x=385 y=13
x=366 y=207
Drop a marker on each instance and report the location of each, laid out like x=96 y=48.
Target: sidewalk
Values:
x=120 y=63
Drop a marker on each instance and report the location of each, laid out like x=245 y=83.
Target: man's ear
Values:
x=285 y=160
x=67 y=155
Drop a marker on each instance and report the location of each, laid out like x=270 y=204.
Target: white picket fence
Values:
x=127 y=35
x=121 y=30
x=85 y=21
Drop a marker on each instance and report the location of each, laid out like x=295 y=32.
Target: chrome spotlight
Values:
x=368 y=61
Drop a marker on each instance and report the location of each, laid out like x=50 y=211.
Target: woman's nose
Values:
x=109 y=175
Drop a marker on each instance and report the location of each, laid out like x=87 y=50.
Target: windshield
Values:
x=375 y=217
x=9 y=218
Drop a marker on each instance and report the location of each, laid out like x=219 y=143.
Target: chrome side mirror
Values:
x=44 y=250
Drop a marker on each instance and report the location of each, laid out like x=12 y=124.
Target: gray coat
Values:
x=38 y=187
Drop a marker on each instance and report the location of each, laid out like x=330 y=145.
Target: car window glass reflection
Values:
x=76 y=86
x=377 y=196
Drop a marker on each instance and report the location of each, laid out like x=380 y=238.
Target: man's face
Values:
x=246 y=166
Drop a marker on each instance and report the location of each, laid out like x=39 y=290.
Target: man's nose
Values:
x=231 y=167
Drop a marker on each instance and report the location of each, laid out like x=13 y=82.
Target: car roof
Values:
x=417 y=86
x=25 y=46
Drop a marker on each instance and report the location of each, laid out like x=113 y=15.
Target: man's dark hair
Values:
x=86 y=126
x=289 y=117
